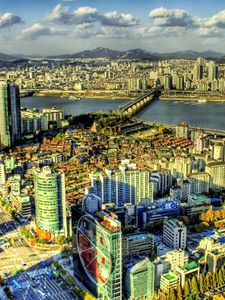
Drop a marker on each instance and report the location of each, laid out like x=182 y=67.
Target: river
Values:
x=72 y=107
x=210 y=114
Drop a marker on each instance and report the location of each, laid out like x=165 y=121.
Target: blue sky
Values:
x=55 y=27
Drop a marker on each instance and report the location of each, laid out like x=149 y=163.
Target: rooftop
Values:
x=138 y=236
x=170 y=276
x=188 y=267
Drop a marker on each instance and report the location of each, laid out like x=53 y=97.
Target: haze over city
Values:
x=69 y=26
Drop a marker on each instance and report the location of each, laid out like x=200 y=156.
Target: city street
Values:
x=28 y=286
x=20 y=255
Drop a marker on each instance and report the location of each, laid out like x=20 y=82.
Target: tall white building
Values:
x=126 y=185
x=212 y=71
x=216 y=170
x=197 y=71
x=182 y=130
x=180 y=167
x=174 y=234
x=199 y=182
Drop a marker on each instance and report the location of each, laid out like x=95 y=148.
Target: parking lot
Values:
x=27 y=286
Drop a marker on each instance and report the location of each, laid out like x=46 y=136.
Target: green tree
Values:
x=202 y=284
x=194 y=285
x=214 y=281
x=172 y=294
x=220 y=278
x=208 y=281
x=179 y=293
x=186 y=289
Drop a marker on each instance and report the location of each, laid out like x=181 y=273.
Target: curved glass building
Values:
x=50 y=208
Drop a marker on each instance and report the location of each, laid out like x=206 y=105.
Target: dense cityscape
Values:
x=104 y=204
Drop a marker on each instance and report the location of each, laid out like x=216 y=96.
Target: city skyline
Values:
x=69 y=26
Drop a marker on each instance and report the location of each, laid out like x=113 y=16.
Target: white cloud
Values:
x=113 y=18
x=8 y=19
x=38 y=30
x=211 y=32
x=217 y=20
x=62 y=15
x=171 y=17
x=84 y=31
x=114 y=32
x=211 y=27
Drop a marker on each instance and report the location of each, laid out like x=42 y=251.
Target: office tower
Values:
x=50 y=206
x=126 y=185
x=212 y=71
x=138 y=244
x=99 y=243
x=139 y=279
x=214 y=256
x=174 y=234
x=197 y=72
x=10 y=116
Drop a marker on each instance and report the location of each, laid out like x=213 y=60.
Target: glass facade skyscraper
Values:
x=99 y=241
x=50 y=206
x=10 y=115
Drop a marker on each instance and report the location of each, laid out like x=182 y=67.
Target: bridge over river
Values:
x=133 y=106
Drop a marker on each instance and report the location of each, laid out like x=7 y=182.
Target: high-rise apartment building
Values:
x=212 y=71
x=50 y=206
x=126 y=185
x=168 y=82
x=10 y=116
x=174 y=234
x=197 y=72
x=182 y=131
x=216 y=170
x=199 y=182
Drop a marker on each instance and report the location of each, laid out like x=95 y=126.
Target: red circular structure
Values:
x=94 y=249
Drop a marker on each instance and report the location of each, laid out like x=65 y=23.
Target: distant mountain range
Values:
x=139 y=54
x=6 y=57
x=130 y=54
